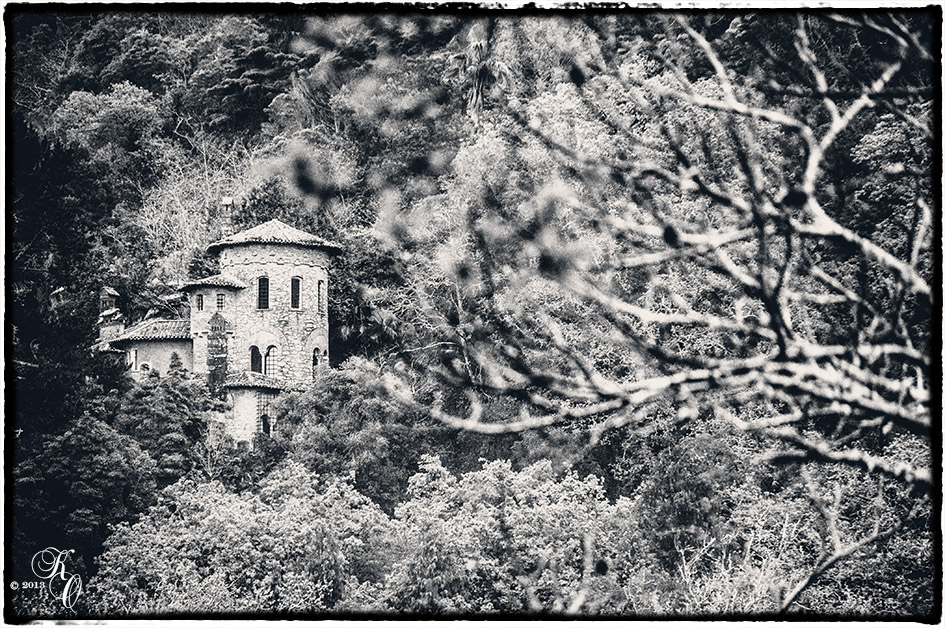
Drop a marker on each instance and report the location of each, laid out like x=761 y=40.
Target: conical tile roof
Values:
x=274 y=232
x=217 y=281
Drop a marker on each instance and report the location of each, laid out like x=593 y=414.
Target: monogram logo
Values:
x=50 y=565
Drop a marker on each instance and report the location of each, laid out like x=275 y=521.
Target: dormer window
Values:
x=200 y=303
x=262 y=293
x=296 y=301
x=221 y=299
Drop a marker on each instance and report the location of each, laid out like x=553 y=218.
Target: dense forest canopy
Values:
x=633 y=314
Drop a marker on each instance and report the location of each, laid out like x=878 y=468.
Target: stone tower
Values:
x=281 y=318
x=261 y=325
x=258 y=328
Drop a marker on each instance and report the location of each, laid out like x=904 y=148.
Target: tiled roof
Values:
x=252 y=379
x=223 y=281
x=105 y=346
x=274 y=232
x=157 y=329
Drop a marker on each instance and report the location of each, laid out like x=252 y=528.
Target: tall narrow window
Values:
x=199 y=302
x=134 y=359
x=314 y=364
x=264 y=424
x=255 y=360
x=262 y=293
x=269 y=360
x=321 y=296
x=296 y=293
x=220 y=300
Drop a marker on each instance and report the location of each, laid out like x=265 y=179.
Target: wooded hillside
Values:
x=633 y=315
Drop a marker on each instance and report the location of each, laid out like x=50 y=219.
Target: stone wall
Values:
x=110 y=329
x=157 y=355
x=241 y=421
x=200 y=319
x=294 y=333
x=291 y=335
x=217 y=341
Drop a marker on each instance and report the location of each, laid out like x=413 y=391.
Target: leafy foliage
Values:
x=498 y=540
x=573 y=246
x=75 y=486
x=292 y=548
x=344 y=425
x=166 y=416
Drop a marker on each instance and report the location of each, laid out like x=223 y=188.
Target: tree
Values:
x=119 y=128
x=724 y=258
x=257 y=70
x=239 y=466
x=690 y=254
x=75 y=486
x=60 y=203
x=293 y=548
x=167 y=416
x=497 y=540
x=345 y=427
x=47 y=56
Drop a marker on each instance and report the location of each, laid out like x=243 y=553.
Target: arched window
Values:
x=199 y=302
x=255 y=360
x=269 y=362
x=296 y=301
x=315 y=364
x=264 y=425
x=262 y=293
x=321 y=296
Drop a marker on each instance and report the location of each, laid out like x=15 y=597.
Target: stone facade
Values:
x=241 y=422
x=200 y=321
x=217 y=348
x=251 y=412
x=290 y=335
x=155 y=355
x=258 y=327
